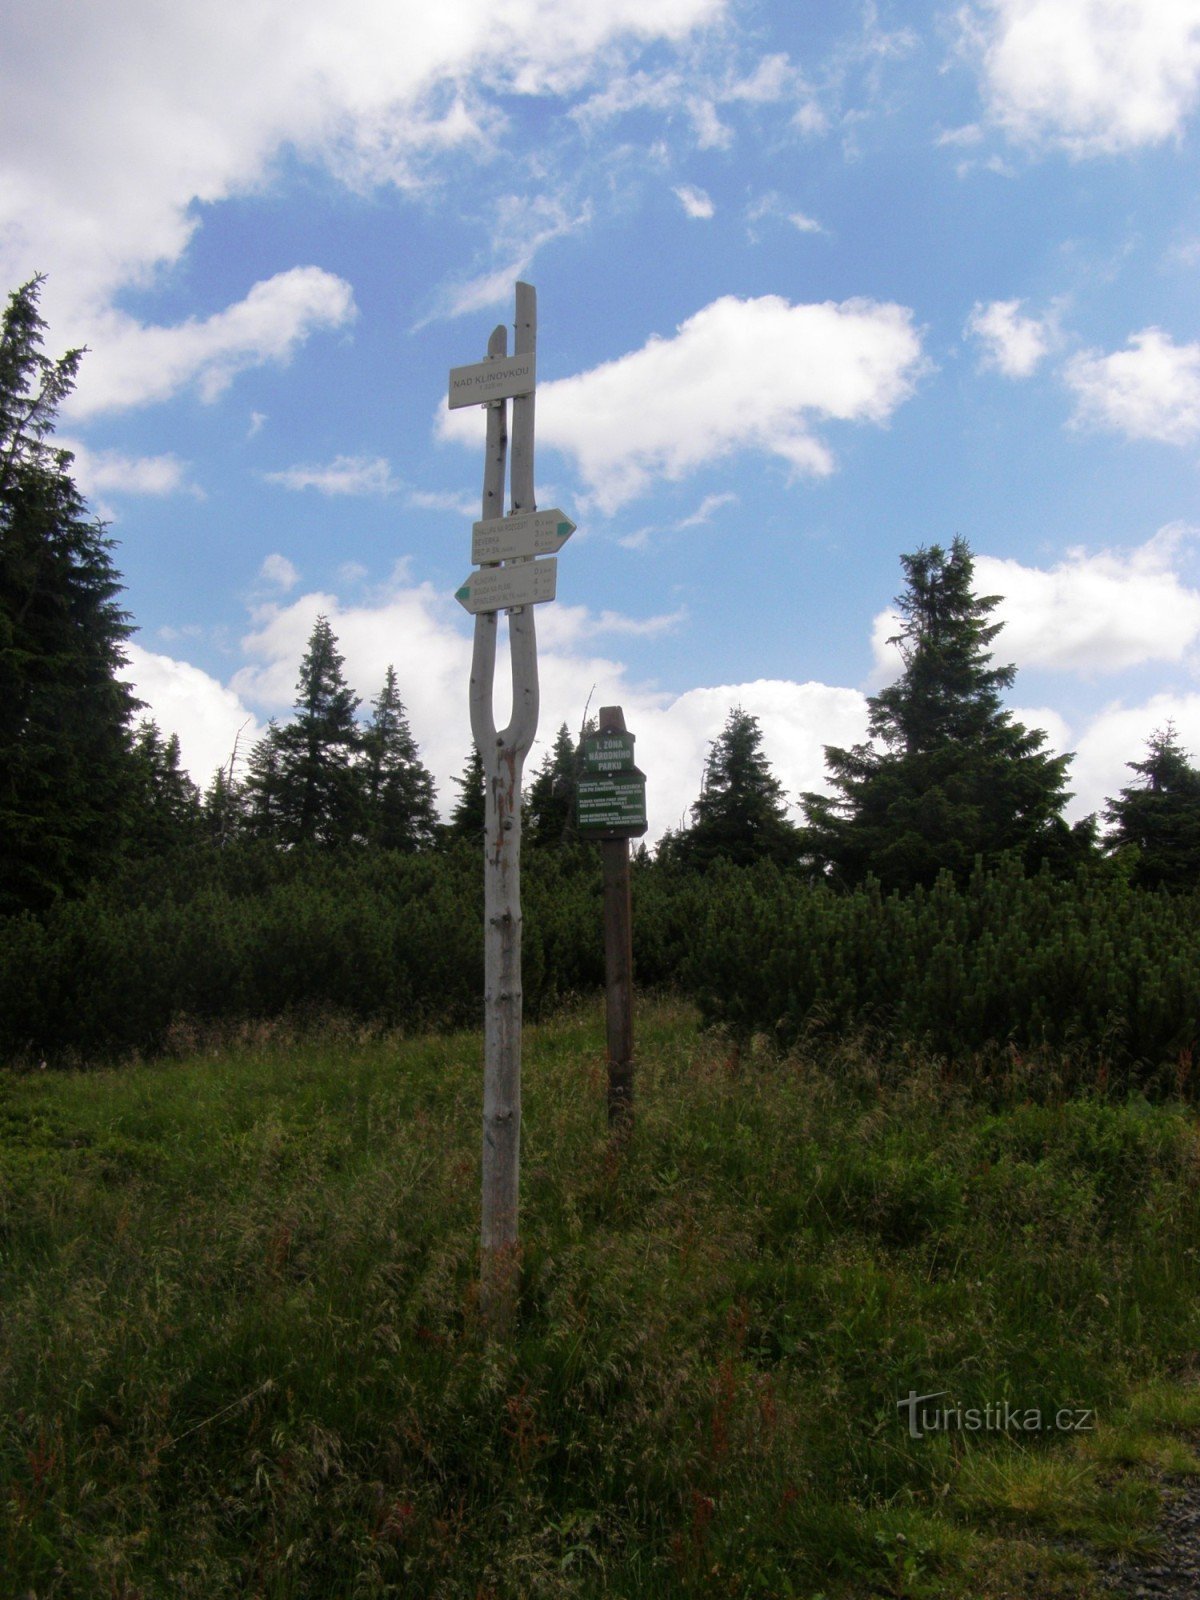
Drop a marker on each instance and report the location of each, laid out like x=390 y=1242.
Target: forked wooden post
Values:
x=503 y=754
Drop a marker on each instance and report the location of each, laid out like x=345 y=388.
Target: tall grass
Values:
x=241 y=1352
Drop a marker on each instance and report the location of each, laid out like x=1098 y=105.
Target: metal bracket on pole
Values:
x=503 y=754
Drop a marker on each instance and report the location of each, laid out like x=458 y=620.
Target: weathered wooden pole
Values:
x=503 y=754
x=618 y=960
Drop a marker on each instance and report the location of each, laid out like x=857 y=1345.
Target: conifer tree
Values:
x=950 y=775
x=550 y=803
x=741 y=814
x=468 y=816
x=320 y=793
x=66 y=775
x=1157 y=821
x=222 y=815
x=259 y=795
x=166 y=812
x=398 y=790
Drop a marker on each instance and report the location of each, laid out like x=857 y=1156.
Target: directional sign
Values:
x=613 y=803
x=491 y=380
x=608 y=752
x=534 y=533
x=498 y=588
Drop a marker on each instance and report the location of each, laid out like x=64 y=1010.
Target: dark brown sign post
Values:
x=612 y=808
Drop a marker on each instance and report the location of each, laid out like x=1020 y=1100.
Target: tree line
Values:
x=947 y=778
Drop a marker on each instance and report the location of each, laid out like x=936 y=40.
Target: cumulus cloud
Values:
x=185 y=700
x=1095 y=77
x=1149 y=390
x=354 y=475
x=1094 y=613
x=1118 y=735
x=192 y=103
x=278 y=570
x=133 y=365
x=1012 y=343
x=739 y=375
x=99 y=472
x=414 y=628
x=695 y=202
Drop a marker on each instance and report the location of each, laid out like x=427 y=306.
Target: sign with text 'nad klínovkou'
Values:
x=497 y=379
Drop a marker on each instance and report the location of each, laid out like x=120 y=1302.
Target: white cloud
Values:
x=1117 y=735
x=355 y=475
x=564 y=625
x=772 y=205
x=523 y=226
x=412 y=629
x=739 y=375
x=98 y=472
x=1013 y=344
x=694 y=201
x=704 y=511
x=417 y=630
x=1094 y=77
x=461 y=505
x=970 y=134
x=141 y=111
x=132 y=365
x=205 y=714
x=1149 y=390
x=699 y=95
x=1090 y=613
x=278 y=570
x=797 y=721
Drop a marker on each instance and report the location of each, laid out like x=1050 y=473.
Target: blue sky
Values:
x=817 y=285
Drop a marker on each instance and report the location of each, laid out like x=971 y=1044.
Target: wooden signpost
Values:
x=611 y=803
x=519 y=584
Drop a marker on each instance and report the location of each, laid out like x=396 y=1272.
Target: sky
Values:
x=817 y=286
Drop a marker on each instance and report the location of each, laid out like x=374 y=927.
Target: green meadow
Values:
x=241 y=1351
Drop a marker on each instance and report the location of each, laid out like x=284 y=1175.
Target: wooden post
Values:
x=618 y=961
x=503 y=754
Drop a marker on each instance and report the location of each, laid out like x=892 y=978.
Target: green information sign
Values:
x=613 y=802
x=608 y=752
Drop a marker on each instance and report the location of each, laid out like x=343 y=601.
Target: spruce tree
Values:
x=1157 y=821
x=320 y=793
x=950 y=775
x=259 y=796
x=398 y=790
x=166 y=815
x=222 y=810
x=740 y=815
x=468 y=816
x=66 y=777
x=550 y=803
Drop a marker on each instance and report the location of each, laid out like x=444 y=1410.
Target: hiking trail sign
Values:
x=509 y=578
x=540 y=533
x=524 y=583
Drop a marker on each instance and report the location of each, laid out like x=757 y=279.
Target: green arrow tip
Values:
x=566 y=529
x=464 y=593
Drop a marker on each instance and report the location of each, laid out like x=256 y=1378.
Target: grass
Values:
x=241 y=1352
